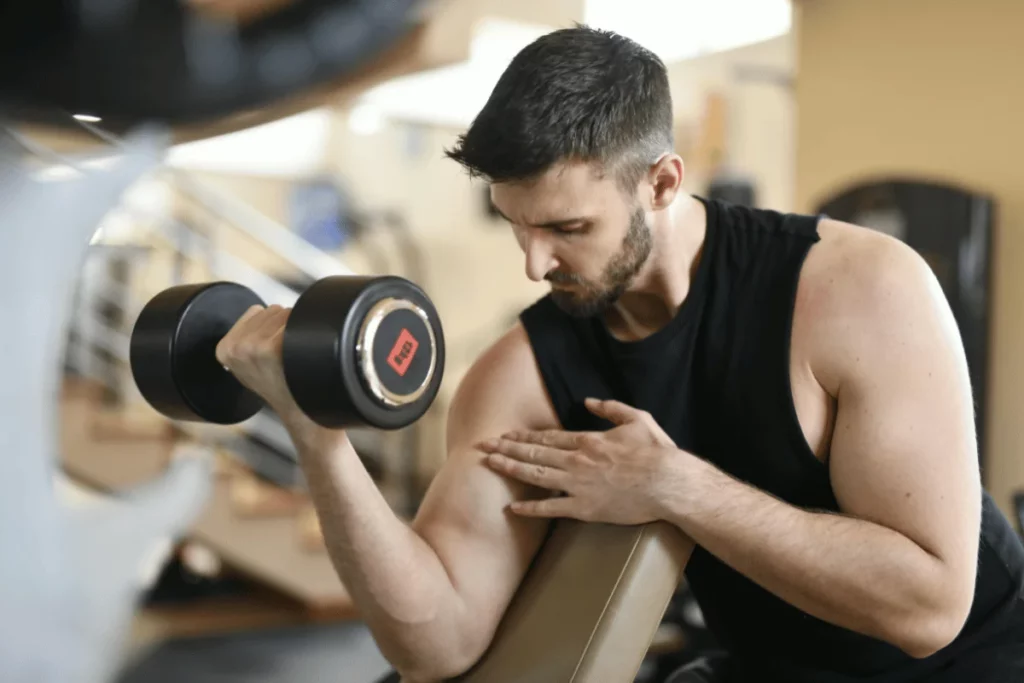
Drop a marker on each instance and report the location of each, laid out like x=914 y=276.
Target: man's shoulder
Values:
x=853 y=265
x=859 y=285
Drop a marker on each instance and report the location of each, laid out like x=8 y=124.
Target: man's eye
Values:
x=570 y=229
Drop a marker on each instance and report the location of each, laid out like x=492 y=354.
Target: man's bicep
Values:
x=464 y=517
x=483 y=547
x=903 y=450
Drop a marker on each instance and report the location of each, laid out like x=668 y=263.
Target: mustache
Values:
x=564 y=278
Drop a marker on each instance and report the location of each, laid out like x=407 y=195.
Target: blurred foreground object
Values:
x=68 y=573
x=127 y=62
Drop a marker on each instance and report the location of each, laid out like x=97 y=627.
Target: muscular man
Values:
x=791 y=392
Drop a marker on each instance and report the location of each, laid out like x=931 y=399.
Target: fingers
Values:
x=530 y=453
x=547 y=507
x=555 y=438
x=238 y=329
x=271 y=322
x=614 y=411
x=541 y=476
x=258 y=329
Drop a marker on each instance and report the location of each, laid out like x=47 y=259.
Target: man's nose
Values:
x=540 y=258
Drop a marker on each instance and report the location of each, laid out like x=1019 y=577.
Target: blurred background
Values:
x=305 y=138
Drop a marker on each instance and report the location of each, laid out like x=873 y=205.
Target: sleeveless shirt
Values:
x=717 y=380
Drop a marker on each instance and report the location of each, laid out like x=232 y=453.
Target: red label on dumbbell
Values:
x=403 y=352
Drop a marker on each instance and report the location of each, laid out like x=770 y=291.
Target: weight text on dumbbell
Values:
x=403 y=352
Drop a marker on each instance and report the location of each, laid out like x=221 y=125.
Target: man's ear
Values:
x=666 y=178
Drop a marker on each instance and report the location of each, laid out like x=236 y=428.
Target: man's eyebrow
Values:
x=548 y=224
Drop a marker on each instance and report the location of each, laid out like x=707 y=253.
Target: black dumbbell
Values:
x=357 y=351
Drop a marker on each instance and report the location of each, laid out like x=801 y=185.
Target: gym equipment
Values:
x=69 y=574
x=589 y=607
x=172 y=353
x=357 y=351
x=387 y=348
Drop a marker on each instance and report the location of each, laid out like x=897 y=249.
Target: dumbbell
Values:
x=357 y=351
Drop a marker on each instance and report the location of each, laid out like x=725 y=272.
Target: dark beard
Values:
x=596 y=298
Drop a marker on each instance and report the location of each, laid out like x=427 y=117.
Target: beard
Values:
x=594 y=297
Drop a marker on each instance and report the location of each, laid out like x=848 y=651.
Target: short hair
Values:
x=575 y=94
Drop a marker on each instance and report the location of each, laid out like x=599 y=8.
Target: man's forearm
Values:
x=843 y=570
x=395 y=578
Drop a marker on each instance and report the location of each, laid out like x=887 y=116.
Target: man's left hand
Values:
x=620 y=476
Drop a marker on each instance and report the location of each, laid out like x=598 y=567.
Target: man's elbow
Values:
x=442 y=666
x=440 y=669
x=933 y=631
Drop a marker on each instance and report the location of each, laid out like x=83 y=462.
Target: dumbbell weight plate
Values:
x=173 y=353
x=363 y=351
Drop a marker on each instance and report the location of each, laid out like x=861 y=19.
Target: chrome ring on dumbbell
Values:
x=401 y=380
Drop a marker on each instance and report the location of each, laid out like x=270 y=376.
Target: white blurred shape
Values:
x=366 y=119
x=290 y=147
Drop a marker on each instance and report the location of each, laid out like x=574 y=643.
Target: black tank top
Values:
x=717 y=379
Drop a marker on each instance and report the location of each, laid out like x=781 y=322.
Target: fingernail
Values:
x=489 y=443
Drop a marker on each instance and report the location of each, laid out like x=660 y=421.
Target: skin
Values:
x=881 y=390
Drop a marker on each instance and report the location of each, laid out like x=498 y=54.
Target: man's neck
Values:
x=663 y=284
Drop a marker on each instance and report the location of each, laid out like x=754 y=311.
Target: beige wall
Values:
x=759 y=121
x=932 y=89
x=556 y=13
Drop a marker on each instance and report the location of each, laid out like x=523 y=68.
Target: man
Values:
x=790 y=392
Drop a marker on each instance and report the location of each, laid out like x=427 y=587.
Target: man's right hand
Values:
x=251 y=351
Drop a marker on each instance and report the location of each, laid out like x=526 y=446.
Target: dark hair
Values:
x=573 y=94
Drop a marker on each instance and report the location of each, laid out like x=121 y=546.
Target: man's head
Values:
x=571 y=141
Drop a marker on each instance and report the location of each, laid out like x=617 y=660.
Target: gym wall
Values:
x=929 y=89
x=757 y=128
